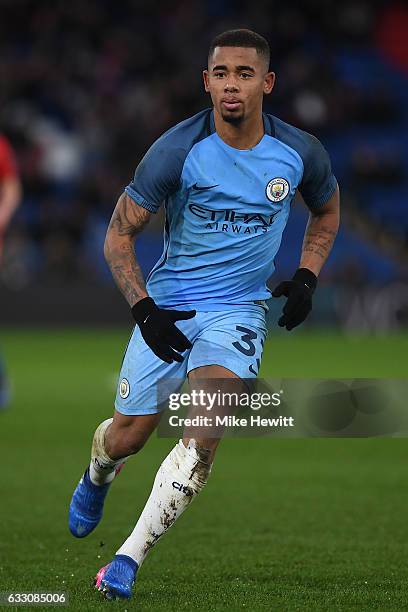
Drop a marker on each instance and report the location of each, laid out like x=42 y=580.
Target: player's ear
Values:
x=206 y=78
x=269 y=82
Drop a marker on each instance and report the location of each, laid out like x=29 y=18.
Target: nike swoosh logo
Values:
x=203 y=188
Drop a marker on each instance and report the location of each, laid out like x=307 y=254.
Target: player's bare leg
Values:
x=114 y=440
x=128 y=434
x=180 y=478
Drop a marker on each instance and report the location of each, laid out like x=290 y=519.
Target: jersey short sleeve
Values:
x=159 y=173
x=318 y=182
x=8 y=166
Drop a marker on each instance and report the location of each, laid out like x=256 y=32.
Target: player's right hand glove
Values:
x=159 y=331
x=299 y=292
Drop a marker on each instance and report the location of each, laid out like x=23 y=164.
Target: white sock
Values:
x=180 y=478
x=102 y=468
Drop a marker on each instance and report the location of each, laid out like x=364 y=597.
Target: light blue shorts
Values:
x=233 y=339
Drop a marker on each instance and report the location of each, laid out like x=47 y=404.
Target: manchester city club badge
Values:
x=277 y=189
x=124 y=388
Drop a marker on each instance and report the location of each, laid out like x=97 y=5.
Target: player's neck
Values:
x=245 y=135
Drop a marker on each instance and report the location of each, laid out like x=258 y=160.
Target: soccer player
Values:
x=227 y=177
x=10 y=196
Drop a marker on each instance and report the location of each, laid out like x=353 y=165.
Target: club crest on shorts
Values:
x=277 y=189
x=124 y=388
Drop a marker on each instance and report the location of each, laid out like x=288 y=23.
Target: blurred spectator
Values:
x=10 y=195
x=391 y=35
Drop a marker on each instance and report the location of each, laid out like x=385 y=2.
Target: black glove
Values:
x=299 y=292
x=158 y=329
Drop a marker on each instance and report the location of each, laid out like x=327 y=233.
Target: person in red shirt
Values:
x=10 y=196
x=10 y=188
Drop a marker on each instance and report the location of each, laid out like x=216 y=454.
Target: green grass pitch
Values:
x=300 y=524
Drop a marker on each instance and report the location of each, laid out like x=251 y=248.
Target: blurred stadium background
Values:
x=87 y=87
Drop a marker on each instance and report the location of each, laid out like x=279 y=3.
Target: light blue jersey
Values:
x=226 y=208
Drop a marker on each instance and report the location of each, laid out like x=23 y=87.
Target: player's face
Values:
x=237 y=80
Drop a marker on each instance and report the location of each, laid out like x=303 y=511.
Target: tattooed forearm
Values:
x=127 y=273
x=320 y=234
x=319 y=241
x=127 y=221
x=319 y=237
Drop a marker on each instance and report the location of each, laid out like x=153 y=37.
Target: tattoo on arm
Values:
x=127 y=221
x=128 y=218
x=318 y=240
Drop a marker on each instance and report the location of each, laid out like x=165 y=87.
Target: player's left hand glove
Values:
x=299 y=292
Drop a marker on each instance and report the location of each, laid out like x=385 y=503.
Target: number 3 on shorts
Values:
x=247 y=337
x=247 y=347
